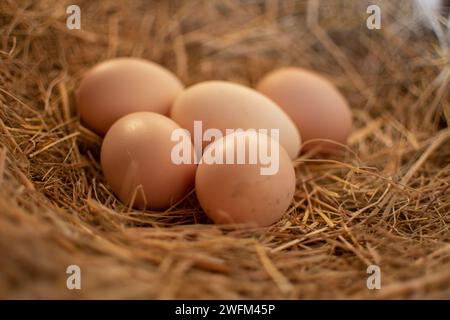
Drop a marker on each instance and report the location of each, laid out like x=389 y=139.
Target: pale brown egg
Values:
x=224 y=105
x=255 y=193
x=136 y=158
x=117 y=87
x=316 y=106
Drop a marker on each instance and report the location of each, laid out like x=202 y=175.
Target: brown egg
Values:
x=246 y=192
x=315 y=105
x=224 y=105
x=117 y=87
x=137 y=163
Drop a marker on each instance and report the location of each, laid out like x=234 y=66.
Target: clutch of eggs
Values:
x=129 y=101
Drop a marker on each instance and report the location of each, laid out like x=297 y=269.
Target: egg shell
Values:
x=238 y=193
x=136 y=160
x=318 y=109
x=117 y=87
x=225 y=105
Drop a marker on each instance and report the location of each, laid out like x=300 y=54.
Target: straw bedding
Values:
x=385 y=200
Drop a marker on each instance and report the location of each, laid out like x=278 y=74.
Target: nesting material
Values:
x=383 y=200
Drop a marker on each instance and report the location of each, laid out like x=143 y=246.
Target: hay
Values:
x=385 y=201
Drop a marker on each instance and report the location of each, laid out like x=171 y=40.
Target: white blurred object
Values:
x=429 y=11
x=429 y=5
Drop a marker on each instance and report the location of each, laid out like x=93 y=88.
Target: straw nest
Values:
x=385 y=200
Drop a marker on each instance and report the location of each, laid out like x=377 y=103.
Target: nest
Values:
x=384 y=201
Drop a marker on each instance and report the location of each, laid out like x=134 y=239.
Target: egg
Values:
x=315 y=105
x=117 y=87
x=137 y=162
x=223 y=105
x=243 y=193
